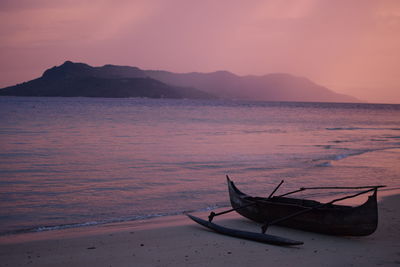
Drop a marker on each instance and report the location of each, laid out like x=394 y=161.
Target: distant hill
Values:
x=270 y=87
x=79 y=79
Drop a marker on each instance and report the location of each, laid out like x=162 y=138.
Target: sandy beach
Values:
x=177 y=241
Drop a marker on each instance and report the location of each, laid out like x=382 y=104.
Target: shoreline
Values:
x=177 y=241
x=149 y=223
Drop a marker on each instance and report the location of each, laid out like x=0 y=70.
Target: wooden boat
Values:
x=309 y=215
x=259 y=237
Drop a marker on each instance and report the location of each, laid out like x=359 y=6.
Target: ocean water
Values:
x=72 y=162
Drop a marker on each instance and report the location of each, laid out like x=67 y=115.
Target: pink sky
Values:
x=350 y=46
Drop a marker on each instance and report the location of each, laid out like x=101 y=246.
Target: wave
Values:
x=327 y=162
x=360 y=128
x=37 y=229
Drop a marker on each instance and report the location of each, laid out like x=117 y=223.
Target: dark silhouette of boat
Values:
x=303 y=214
x=309 y=215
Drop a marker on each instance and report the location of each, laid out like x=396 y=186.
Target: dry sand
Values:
x=177 y=241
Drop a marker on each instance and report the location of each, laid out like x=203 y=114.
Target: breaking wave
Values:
x=107 y=221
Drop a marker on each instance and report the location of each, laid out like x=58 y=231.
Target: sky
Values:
x=349 y=46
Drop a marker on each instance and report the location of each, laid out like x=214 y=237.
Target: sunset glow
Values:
x=351 y=47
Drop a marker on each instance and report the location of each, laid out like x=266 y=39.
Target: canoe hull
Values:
x=332 y=219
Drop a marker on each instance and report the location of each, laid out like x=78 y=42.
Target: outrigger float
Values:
x=302 y=214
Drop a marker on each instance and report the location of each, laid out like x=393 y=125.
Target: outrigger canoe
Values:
x=309 y=215
x=303 y=214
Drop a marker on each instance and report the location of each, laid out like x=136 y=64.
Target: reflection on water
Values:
x=84 y=160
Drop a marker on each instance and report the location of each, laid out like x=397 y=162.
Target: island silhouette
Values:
x=82 y=80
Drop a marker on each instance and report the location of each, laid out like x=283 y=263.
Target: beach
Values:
x=177 y=241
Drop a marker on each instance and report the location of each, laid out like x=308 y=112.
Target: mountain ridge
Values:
x=268 y=87
x=81 y=79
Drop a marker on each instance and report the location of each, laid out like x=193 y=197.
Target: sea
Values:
x=80 y=162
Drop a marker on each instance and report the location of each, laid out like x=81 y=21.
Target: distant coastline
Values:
x=79 y=79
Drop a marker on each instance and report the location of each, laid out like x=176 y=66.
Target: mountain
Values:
x=270 y=87
x=79 y=79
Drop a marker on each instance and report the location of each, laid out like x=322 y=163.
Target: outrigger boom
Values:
x=331 y=187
